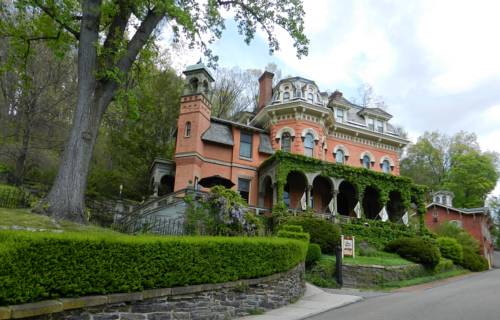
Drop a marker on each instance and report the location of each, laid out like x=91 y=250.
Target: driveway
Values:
x=468 y=298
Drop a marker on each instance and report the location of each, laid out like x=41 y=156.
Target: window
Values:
x=244 y=188
x=458 y=223
x=340 y=115
x=310 y=97
x=309 y=145
x=339 y=156
x=371 y=124
x=380 y=126
x=286 y=96
x=286 y=142
x=246 y=144
x=187 y=130
x=386 y=166
x=366 y=162
x=196 y=185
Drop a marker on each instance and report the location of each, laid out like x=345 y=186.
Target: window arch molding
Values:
x=342 y=149
x=280 y=132
x=311 y=131
x=370 y=157
x=389 y=160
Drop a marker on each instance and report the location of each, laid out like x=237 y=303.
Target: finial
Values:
x=199 y=61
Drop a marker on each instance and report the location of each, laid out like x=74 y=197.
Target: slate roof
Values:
x=219 y=133
x=376 y=112
x=265 y=144
x=482 y=210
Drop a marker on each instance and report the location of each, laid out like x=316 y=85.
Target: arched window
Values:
x=366 y=161
x=339 y=156
x=309 y=145
x=286 y=142
x=310 y=97
x=386 y=166
x=286 y=96
x=187 y=130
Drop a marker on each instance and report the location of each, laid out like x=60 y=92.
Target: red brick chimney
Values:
x=265 y=89
x=336 y=95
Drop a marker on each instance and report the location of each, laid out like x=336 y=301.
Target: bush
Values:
x=417 y=250
x=463 y=237
x=292 y=228
x=322 y=274
x=473 y=261
x=376 y=233
x=443 y=265
x=14 y=197
x=321 y=232
x=451 y=249
x=313 y=254
x=293 y=235
x=37 y=266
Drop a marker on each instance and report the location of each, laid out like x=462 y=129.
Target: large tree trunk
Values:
x=66 y=198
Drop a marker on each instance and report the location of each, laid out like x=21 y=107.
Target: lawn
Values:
x=425 y=279
x=26 y=219
x=382 y=259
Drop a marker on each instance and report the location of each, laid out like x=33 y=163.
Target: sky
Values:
x=435 y=63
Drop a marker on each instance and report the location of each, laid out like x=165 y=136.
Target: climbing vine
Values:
x=360 y=178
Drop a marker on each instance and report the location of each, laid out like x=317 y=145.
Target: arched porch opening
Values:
x=321 y=194
x=166 y=185
x=346 y=199
x=267 y=189
x=395 y=207
x=371 y=203
x=295 y=187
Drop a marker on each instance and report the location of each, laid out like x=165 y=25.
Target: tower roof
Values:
x=199 y=67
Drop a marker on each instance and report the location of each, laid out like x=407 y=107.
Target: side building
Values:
x=476 y=221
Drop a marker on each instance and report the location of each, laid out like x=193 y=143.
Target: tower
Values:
x=194 y=119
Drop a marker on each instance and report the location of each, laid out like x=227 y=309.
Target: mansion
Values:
x=321 y=136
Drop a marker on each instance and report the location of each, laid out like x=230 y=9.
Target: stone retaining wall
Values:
x=356 y=276
x=212 y=301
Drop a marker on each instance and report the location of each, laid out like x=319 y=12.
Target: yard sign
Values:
x=348 y=246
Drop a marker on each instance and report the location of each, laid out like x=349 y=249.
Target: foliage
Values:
x=494 y=207
x=359 y=177
x=223 y=212
x=303 y=236
x=425 y=279
x=38 y=266
x=293 y=228
x=471 y=178
x=322 y=232
x=473 y=261
x=322 y=273
x=443 y=265
x=451 y=249
x=415 y=249
x=453 y=162
x=451 y=230
x=313 y=254
x=14 y=197
x=376 y=233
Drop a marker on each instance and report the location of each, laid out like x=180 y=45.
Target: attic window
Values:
x=380 y=126
x=310 y=97
x=340 y=115
x=286 y=96
x=371 y=124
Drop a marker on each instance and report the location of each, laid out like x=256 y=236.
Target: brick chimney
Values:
x=265 y=89
x=336 y=95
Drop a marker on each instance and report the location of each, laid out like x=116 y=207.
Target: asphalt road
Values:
x=476 y=297
x=496 y=258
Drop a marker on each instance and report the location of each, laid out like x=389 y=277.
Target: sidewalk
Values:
x=315 y=301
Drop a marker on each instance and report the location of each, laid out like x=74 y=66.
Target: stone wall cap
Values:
x=36 y=309
x=5 y=313
x=124 y=297
x=82 y=302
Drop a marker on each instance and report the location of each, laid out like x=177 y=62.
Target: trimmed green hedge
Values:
x=313 y=254
x=418 y=250
x=451 y=249
x=37 y=266
x=473 y=261
x=376 y=233
x=322 y=232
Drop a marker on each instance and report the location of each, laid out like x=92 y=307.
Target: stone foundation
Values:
x=213 y=301
x=356 y=276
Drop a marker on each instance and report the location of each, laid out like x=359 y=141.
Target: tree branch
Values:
x=51 y=14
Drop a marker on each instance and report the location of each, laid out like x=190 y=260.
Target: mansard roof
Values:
x=376 y=112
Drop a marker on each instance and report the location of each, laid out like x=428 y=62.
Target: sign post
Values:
x=348 y=246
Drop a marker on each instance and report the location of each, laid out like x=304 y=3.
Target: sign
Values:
x=348 y=246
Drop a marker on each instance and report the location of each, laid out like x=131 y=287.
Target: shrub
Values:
x=293 y=235
x=14 y=197
x=463 y=237
x=38 y=266
x=322 y=274
x=417 y=250
x=313 y=254
x=376 y=233
x=289 y=227
x=473 y=261
x=443 y=265
x=321 y=232
x=451 y=249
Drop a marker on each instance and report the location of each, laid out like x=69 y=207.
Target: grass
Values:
x=26 y=219
x=425 y=279
x=382 y=259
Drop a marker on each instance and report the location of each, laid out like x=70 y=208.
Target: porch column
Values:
x=308 y=196
x=275 y=193
x=156 y=186
x=334 y=198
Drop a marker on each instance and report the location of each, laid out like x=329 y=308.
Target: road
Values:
x=475 y=297
x=496 y=258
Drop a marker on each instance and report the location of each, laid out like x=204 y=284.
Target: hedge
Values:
x=473 y=261
x=451 y=249
x=313 y=254
x=38 y=266
x=13 y=197
x=376 y=233
x=418 y=250
x=321 y=232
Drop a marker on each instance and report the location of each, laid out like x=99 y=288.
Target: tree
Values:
x=454 y=163
x=106 y=52
x=471 y=178
x=494 y=206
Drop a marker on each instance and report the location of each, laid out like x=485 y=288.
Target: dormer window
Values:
x=379 y=125
x=340 y=115
x=371 y=124
x=286 y=96
x=310 y=97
